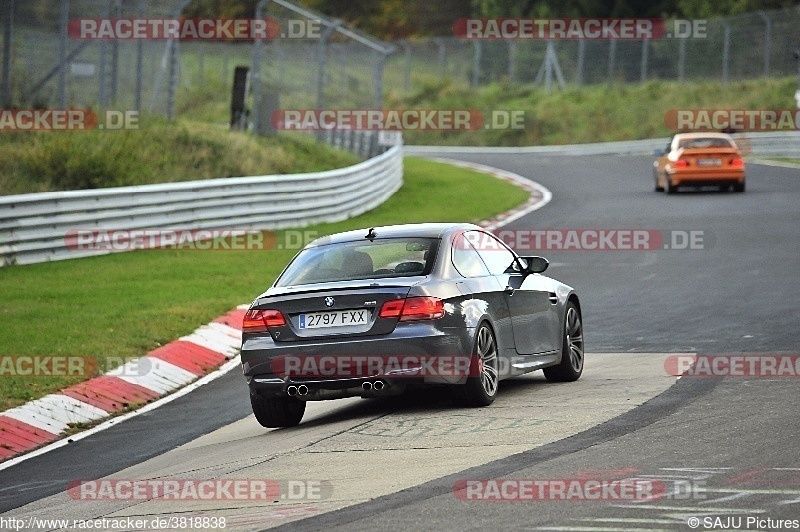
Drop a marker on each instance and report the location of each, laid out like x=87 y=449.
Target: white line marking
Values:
x=523 y=182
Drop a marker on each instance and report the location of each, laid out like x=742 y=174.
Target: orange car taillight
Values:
x=413 y=308
x=262 y=320
x=680 y=163
x=737 y=162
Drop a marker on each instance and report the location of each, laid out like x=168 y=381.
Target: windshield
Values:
x=380 y=258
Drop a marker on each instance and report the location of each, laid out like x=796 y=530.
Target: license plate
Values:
x=334 y=318
x=709 y=162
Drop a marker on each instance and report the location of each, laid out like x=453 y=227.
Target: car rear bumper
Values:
x=414 y=353
x=713 y=178
x=324 y=389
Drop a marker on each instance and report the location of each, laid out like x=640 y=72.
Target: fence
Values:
x=754 y=45
x=329 y=65
x=323 y=64
x=35 y=227
x=43 y=67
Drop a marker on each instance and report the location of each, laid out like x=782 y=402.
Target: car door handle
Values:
x=509 y=290
x=553 y=298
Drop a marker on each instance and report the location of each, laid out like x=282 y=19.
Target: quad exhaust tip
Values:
x=367 y=386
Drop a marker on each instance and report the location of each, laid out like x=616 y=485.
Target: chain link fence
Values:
x=44 y=67
x=319 y=63
x=734 y=48
x=316 y=63
x=313 y=63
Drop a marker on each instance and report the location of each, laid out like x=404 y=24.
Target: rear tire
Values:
x=739 y=187
x=571 y=365
x=669 y=188
x=275 y=412
x=481 y=389
x=655 y=178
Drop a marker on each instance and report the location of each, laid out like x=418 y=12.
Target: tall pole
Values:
x=62 y=55
x=8 y=30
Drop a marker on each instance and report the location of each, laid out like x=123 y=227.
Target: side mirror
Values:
x=535 y=264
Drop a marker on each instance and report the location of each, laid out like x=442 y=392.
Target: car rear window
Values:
x=346 y=261
x=710 y=142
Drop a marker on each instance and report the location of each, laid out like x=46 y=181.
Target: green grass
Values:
x=596 y=113
x=156 y=152
x=126 y=304
x=591 y=113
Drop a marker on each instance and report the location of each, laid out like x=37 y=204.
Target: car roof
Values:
x=421 y=230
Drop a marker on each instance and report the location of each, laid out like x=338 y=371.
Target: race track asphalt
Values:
x=733 y=440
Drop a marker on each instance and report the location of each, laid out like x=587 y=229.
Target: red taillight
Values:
x=680 y=163
x=391 y=309
x=261 y=320
x=422 y=308
x=737 y=162
x=413 y=308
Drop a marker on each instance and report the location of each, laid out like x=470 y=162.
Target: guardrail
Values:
x=34 y=227
x=778 y=144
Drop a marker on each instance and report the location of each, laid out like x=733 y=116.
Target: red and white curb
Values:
x=135 y=383
x=538 y=198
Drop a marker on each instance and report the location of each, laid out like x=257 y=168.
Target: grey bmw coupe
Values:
x=379 y=311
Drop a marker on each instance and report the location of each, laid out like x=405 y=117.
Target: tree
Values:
x=722 y=8
x=402 y=19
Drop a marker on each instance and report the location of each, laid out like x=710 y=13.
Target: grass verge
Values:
x=157 y=152
x=123 y=305
x=595 y=113
x=590 y=113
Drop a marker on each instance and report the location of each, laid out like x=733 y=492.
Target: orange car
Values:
x=698 y=159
